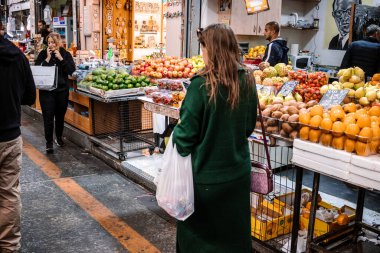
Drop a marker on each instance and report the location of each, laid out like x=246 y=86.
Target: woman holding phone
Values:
x=54 y=103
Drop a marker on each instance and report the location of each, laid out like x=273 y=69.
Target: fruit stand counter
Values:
x=363 y=172
x=120 y=124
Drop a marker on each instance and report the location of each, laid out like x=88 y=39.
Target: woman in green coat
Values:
x=217 y=116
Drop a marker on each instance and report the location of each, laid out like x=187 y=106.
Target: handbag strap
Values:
x=262 y=125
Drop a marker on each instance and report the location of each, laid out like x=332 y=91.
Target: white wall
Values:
x=209 y=13
x=307 y=40
x=173 y=37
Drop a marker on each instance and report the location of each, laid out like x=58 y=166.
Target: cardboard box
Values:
x=267 y=223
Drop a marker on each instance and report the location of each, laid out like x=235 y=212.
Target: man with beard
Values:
x=276 y=51
x=342 y=15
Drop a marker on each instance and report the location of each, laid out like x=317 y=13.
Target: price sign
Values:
x=287 y=88
x=333 y=97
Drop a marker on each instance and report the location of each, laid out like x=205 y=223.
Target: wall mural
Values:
x=338 y=18
x=364 y=16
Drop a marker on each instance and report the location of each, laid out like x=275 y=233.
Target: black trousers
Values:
x=54 y=106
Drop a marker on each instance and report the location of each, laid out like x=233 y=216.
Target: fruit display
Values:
x=272 y=76
x=349 y=127
x=198 y=62
x=256 y=52
x=282 y=117
x=375 y=80
x=111 y=79
x=168 y=92
x=309 y=84
x=168 y=67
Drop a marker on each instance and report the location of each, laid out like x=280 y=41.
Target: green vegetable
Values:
x=115 y=87
x=130 y=86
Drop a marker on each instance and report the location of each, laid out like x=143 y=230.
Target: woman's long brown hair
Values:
x=223 y=61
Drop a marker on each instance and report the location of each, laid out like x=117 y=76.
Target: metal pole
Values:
x=75 y=26
x=297 y=208
x=313 y=209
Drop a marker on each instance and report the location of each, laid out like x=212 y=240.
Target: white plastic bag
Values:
x=175 y=189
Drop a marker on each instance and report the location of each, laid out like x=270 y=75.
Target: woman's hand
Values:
x=48 y=52
x=58 y=55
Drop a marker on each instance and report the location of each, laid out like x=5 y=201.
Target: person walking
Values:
x=43 y=31
x=216 y=118
x=16 y=88
x=54 y=103
x=365 y=53
x=276 y=51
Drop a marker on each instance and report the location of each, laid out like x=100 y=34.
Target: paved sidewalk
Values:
x=73 y=202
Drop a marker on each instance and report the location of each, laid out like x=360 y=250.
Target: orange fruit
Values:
x=326 y=124
x=316 y=110
x=304 y=133
x=363 y=120
x=314 y=135
x=349 y=145
x=338 y=142
x=338 y=128
x=304 y=118
x=365 y=134
x=374 y=111
x=326 y=139
x=352 y=130
x=315 y=121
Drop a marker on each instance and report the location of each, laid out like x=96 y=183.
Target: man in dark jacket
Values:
x=16 y=88
x=276 y=51
x=365 y=53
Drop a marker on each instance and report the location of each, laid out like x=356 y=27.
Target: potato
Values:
x=287 y=103
x=283 y=133
x=301 y=105
x=284 y=117
x=266 y=112
x=293 y=103
x=287 y=128
x=276 y=114
x=293 y=134
x=293 y=110
x=303 y=110
x=272 y=129
x=311 y=103
x=293 y=119
x=272 y=122
x=284 y=110
x=276 y=107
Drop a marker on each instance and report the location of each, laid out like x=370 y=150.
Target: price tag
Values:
x=287 y=88
x=333 y=97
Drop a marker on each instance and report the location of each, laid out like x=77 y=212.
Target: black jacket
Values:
x=334 y=44
x=276 y=52
x=364 y=54
x=16 y=88
x=65 y=67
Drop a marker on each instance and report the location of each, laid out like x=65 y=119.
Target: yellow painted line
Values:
x=129 y=238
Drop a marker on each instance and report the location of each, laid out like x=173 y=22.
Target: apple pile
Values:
x=168 y=67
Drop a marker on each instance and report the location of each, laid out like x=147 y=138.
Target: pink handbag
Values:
x=261 y=174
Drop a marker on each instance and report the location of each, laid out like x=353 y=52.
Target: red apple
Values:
x=186 y=70
x=185 y=75
x=180 y=74
x=176 y=68
x=181 y=68
x=190 y=66
x=175 y=74
x=170 y=68
x=191 y=74
x=159 y=75
x=170 y=74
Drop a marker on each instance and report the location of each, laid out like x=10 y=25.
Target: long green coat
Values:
x=216 y=137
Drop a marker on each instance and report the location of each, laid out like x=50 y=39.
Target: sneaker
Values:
x=59 y=141
x=49 y=148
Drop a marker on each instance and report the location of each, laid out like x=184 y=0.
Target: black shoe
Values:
x=59 y=142
x=49 y=148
